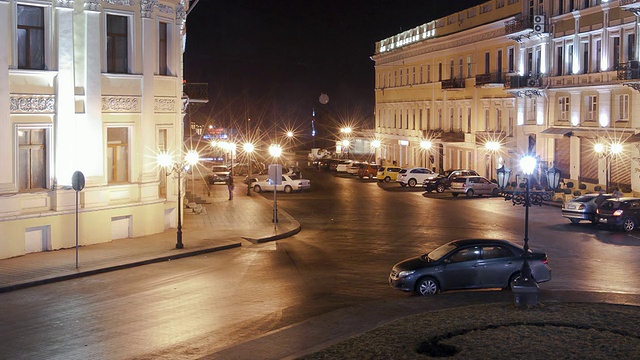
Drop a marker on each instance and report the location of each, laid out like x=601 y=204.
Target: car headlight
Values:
x=405 y=273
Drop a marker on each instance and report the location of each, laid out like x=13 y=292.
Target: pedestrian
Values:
x=600 y=198
x=617 y=193
x=230 y=186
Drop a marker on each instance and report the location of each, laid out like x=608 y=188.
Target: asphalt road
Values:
x=353 y=231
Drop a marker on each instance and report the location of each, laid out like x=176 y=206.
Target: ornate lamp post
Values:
x=345 y=145
x=503 y=174
x=248 y=149
x=491 y=147
x=275 y=151
x=605 y=152
x=185 y=165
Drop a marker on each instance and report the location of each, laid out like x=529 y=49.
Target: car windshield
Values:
x=438 y=253
x=583 y=199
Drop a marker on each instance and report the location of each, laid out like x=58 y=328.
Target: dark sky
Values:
x=268 y=59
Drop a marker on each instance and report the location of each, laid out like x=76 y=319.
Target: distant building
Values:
x=91 y=86
x=495 y=81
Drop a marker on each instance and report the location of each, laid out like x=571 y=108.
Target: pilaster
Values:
x=6 y=161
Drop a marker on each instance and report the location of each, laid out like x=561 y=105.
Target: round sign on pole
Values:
x=324 y=99
x=77 y=181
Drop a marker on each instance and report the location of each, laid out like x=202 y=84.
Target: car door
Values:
x=496 y=265
x=484 y=186
x=460 y=269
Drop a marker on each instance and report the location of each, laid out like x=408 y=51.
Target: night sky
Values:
x=271 y=59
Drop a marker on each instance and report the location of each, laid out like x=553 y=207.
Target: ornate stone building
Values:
x=495 y=81
x=92 y=86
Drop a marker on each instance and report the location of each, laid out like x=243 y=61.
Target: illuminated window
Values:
x=32 y=164
x=117 y=44
x=563 y=108
x=117 y=154
x=30 y=34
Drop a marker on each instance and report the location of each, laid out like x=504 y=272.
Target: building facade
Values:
x=493 y=82
x=91 y=86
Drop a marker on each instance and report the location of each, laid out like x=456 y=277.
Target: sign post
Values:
x=275 y=178
x=77 y=182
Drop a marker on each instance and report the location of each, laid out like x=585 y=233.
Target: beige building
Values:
x=92 y=86
x=508 y=77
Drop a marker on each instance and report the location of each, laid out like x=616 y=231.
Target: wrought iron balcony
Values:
x=197 y=92
x=492 y=78
x=452 y=84
x=453 y=136
x=629 y=70
x=518 y=25
x=526 y=81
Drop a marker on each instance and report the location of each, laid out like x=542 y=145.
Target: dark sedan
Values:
x=467 y=264
x=621 y=213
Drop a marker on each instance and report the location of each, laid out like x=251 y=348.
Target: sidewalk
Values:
x=222 y=224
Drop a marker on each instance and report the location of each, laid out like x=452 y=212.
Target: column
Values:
x=6 y=141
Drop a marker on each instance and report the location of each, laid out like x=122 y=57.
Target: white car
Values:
x=473 y=185
x=353 y=169
x=290 y=182
x=413 y=176
x=343 y=165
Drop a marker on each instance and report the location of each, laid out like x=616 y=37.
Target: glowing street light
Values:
x=606 y=152
x=165 y=160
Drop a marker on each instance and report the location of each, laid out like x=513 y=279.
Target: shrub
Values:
x=521 y=185
x=514 y=184
x=538 y=187
x=570 y=184
x=558 y=191
x=582 y=186
x=625 y=189
x=577 y=193
x=597 y=188
x=567 y=191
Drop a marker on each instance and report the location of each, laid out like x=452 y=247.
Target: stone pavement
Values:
x=221 y=224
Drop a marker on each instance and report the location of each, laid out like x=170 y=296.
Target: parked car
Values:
x=388 y=173
x=414 y=176
x=343 y=165
x=219 y=174
x=355 y=166
x=621 y=213
x=583 y=207
x=290 y=182
x=327 y=164
x=473 y=185
x=467 y=264
x=368 y=171
x=443 y=181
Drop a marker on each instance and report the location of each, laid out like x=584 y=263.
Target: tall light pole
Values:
x=275 y=151
x=184 y=165
x=375 y=144
x=606 y=152
x=248 y=149
x=426 y=145
x=492 y=147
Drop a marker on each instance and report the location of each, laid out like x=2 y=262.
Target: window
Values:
x=413 y=75
x=616 y=52
x=510 y=122
x=495 y=252
x=559 y=61
x=117 y=44
x=440 y=71
x=487 y=119
x=585 y=57
x=563 y=108
x=570 y=60
x=117 y=154
x=451 y=73
x=32 y=164
x=460 y=73
x=487 y=63
x=163 y=68
x=598 y=55
x=510 y=59
x=428 y=73
x=498 y=120
x=590 y=107
x=30 y=33
x=468 y=66
x=622 y=107
x=631 y=47
x=469 y=254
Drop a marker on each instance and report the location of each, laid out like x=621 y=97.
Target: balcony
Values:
x=453 y=136
x=197 y=92
x=629 y=71
x=452 y=84
x=517 y=26
x=517 y=81
x=630 y=5
x=490 y=80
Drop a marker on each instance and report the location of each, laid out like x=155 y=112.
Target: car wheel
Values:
x=440 y=188
x=403 y=184
x=387 y=179
x=470 y=193
x=412 y=182
x=629 y=224
x=427 y=286
x=257 y=188
x=288 y=189
x=495 y=192
x=511 y=279
x=575 y=221
x=454 y=194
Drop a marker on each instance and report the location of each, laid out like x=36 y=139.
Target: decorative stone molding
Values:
x=146 y=8
x=92 y=5
x=181 y=14
x=166 y=9
x=164 y=105
x=120 y=104
x=42 y=104
x=120 y=2
x=65 y=4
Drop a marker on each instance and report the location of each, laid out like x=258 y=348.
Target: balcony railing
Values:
x=492 y=78
x=629 y=70
x=452 y=84
x=517 y=81
x=453 y=136
x=197 y=92
x=517 y=25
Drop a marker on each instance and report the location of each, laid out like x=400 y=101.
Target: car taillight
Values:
x=617 y=213
x=597 y=211
x=545 y=261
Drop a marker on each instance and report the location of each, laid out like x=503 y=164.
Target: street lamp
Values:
x=375 y=145
x=492 y=147
x=185 y=165
x=503 y=174
x=425 y=145
x=605 y=152
x=345 y=145
x=248 y=149
x=275 y=151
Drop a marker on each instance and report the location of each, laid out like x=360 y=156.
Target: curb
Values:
x=274 y=237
